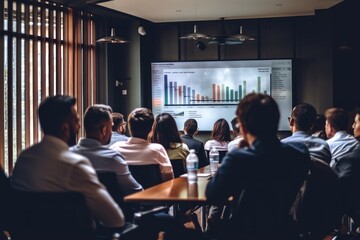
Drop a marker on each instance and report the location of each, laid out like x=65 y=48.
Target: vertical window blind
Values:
x=45 y=49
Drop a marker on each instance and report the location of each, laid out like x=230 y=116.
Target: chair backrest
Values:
x=109 y=180
x=147 y=175
x=4 y=200
x=50 y=215
x=222 y=154
x=179 y=167
x=317 y=205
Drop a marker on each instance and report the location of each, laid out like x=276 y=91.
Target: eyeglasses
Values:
x=289 y=119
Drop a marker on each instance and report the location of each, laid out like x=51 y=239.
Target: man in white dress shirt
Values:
x=137 y=150
x=235 y=143
x=49 y=165
x=339 y=140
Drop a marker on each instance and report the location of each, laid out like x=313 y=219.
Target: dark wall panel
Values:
x=166 y=42
x=276 y=38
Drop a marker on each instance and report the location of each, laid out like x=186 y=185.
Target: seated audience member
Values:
x=235 y=143
x=340 y=142
x=50 y=166
x=190 y=129
x=318 y=128
x=263 y=179
x=348 y=170
x=137 y=150
x=118 y=129
x=164 y=131
x=220 y=136
x=356 y=124
x=97 y=124
x=301 y=120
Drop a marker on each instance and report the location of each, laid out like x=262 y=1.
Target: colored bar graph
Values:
x=222 y=93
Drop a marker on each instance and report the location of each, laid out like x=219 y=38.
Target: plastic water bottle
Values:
x=214 y=160
x=192 y=165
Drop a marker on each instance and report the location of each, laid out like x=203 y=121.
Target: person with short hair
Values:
x=340 y=142
x=301 y=120
x=137 y=150
x=118 y=128
x=235 y=143
x=190 y=129
x=263 y=179
x=49 y=166
x=98 y=126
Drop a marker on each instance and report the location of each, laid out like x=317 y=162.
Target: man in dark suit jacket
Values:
x=263 y=179
x=190 y=129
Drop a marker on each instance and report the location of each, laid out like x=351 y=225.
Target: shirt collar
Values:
x=55 y=140
x=89 y=142
x=136 y=140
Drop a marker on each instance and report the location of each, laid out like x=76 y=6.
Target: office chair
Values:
x=49 y=215
x=4 y=203
x=147 y=175
x=109 y=180
x=179 y=167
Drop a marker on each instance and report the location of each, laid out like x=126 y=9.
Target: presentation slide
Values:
x=207 y=91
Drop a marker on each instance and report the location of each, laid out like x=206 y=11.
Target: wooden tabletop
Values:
x=174 y=191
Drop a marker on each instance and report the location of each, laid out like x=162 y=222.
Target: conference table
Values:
x=176 y=191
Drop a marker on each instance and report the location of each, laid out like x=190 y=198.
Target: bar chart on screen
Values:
x=217 y=86
x=209 y=90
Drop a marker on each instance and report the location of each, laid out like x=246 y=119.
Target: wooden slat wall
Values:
x=59 y=75
x=27 y=76
x=51 y=54
x=18 y=122
x=2 y=127
x=49 y=59
x=10 y=88
x=35 y=86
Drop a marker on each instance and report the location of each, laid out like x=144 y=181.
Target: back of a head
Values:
x=104 y=106
x=190 y=126
x=54 y=111
x=140 y=122
x=95 y=117
x=319 y=123
x=259 y=114
x=165 y=131
x=304 y=116
x=221 y=130
x=235 y=126
x=338 y=118
x=118 y=119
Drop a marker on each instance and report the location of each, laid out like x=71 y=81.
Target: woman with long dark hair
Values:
x=220 y=135
x=165 y=132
